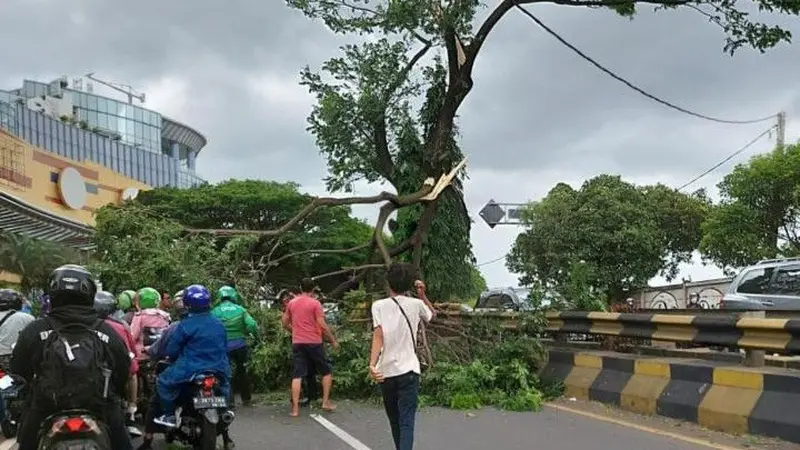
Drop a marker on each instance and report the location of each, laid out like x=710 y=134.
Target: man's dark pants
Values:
x=400 y=398
x=241 y=380
x=308 y=356
x=113 y=418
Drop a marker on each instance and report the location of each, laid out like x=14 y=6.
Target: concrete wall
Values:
x=675 y=296
x=31 y=175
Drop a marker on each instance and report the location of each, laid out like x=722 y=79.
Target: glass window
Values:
x=122 y=108
x=129 y=126
x=102 y=105
x=92 y=118
x=786 y=281
x=155 y=119
x=138 y=130
x=84 y=100
x=137 y=114
x=755 y=281
x=102 y=120
x=121 y=126
x=93 y=102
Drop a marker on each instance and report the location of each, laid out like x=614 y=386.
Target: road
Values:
x=579 y=427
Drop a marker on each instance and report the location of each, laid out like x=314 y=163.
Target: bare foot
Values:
x=294 y=413
x=329 y=407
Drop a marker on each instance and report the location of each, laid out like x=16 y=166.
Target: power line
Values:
x=731 y=156
x=628 y=83
x=493 y=260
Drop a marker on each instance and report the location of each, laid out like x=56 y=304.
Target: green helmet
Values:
x=148 y=298
x=125 y=300
x=229 y=293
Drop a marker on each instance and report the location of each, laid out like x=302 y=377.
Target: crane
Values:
x=124 y=88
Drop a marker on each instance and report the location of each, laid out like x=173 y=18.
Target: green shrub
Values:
x=487 y=366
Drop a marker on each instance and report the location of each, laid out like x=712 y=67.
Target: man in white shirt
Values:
x=12 y=320
x=393 y=358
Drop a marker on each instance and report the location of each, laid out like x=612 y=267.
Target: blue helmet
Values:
x=196 y=297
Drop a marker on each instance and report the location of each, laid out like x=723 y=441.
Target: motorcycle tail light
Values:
x=208 y=383
x=2 y=373
x=76 y=424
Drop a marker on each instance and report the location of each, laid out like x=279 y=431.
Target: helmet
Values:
x=196 y=296
x=104 y=304
x=149 y=298
x=227 y=293
x=10 y=299
x=125 y=300
x=177 y=303
x=71 y=285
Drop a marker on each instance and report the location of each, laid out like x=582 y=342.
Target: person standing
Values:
x=393 y=360
x=238 y=325
x=305 y=319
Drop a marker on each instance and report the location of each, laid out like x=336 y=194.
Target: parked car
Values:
x=768 y=284
x=502 y=299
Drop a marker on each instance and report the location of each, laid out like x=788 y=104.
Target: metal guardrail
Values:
x=728 y=330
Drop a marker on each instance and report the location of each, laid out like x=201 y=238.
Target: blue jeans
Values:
x=400 y=397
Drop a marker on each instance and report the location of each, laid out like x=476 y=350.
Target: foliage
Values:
x=386 y=110
x=267 y=205
x=609 y=234
x=136 y=249
x=32 y=259
x=494 y=367
x=758 y=215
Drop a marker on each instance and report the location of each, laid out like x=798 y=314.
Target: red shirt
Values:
x=126 y=337
x=303 y=312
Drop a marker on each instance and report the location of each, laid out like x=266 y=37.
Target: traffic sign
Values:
x=492 y=213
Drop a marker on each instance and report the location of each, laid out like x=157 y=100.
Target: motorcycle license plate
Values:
x=210 y=402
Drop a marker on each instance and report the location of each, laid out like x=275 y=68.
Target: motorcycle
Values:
x=202 y=414
x=147 y=384
x=75 y=429
x=11 y=388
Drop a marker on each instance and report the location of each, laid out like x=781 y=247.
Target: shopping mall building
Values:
x=66 y=151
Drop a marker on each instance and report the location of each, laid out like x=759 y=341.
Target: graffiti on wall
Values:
x=663 y=300
x=708 y=298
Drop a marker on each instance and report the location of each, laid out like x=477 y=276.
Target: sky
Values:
x=537 y=115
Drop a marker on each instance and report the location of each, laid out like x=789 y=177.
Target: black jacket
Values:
x=27 y=354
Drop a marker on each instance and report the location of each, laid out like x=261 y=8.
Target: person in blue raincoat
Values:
x=197 y=344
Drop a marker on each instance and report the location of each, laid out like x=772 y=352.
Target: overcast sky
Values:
x=538 y=114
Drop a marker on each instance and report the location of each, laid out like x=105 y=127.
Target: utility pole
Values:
x=781 y=129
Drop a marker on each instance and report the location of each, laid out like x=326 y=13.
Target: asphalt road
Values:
x=364 y=427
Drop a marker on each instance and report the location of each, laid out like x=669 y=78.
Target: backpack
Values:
x=74 y=373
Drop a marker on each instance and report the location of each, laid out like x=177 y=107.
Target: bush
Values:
x=482 y=365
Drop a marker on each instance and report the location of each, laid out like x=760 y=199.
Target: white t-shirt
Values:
x=9 y=331
x=399 y=355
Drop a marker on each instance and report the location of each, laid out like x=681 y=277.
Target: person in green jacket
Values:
x=238 y=324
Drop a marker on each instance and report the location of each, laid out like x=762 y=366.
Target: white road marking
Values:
x=340 y=433
x=8 y=444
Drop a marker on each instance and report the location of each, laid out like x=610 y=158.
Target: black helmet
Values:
x=10 y=299
x=71 y=285
x=105 y=304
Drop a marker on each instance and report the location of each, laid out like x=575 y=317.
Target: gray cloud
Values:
x=538 y=114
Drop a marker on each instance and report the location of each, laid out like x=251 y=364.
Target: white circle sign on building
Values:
x=130 y=193
x=72 y=188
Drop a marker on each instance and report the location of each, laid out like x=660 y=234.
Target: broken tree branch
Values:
x=272 y=263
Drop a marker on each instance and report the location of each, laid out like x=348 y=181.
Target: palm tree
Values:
x=31 y=259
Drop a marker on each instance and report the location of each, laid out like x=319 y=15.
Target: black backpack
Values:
x=73 y=373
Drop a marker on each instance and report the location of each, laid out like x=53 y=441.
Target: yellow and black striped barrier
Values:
x=722 y=330
x=715 y=395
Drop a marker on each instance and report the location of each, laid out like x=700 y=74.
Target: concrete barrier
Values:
x=716 y=395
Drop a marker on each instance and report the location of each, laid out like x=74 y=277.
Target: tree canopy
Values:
x=619 y=235
x=387 y=106
x=758 y=215
x=328 y=240
x=31 y=259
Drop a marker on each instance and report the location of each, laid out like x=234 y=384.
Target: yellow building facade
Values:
x=45 y=195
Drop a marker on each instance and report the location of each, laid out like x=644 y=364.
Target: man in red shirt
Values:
x=305 y=318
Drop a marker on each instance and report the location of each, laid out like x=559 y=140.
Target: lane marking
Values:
x=340 y=433
x=8 y=444
x=644 y=428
